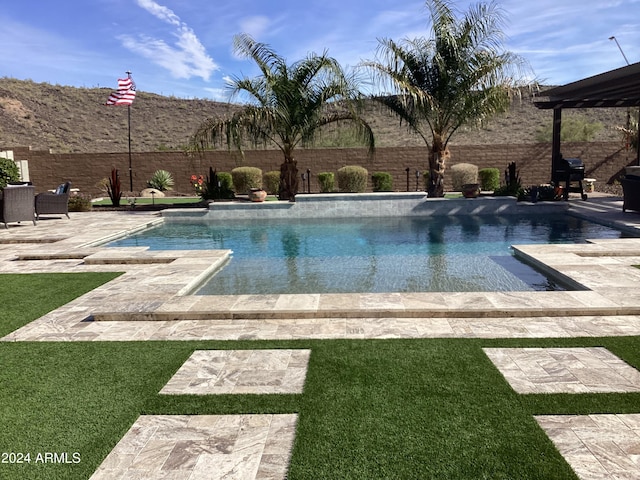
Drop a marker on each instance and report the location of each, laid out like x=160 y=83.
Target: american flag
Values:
x=125 y=94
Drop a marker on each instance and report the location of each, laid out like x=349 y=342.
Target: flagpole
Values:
x=129 y=129
x=125 y=95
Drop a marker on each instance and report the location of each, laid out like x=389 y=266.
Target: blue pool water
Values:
x=437 y=254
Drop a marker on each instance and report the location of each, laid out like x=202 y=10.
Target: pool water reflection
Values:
x=426 y=254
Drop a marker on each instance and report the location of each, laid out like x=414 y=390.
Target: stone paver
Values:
x=598 y=447
x=215 y=372
x=202 y=447
x=564 y=370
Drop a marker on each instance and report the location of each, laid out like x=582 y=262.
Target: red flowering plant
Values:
x=198 y=183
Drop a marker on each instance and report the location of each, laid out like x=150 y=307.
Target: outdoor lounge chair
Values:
x=54 y=203
x=17 y=205
x=630 y=193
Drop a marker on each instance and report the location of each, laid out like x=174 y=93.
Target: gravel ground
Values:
x=613 y=190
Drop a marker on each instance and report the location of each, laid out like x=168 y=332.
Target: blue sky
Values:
x=184 y=48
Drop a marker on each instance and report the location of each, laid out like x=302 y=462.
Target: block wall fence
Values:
x=603 y=161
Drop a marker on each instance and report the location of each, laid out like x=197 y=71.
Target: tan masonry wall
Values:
x=603 y=161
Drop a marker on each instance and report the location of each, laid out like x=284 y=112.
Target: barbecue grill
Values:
x=571 y=172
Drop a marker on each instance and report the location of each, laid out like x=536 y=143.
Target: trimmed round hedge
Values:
x=352 y=179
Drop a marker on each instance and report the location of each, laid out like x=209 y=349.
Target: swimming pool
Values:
x=417 y=254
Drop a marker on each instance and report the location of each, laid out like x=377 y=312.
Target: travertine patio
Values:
x=150 y=302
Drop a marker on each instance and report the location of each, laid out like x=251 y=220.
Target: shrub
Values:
x=246 y=178
x=217 y=186
x=463 y=174
x=8 y=172
x=489 y=179
x=80 y=203
x=382 y=182
x=161 y=180
x=352 y=179
x=103 y=184
x=197 y=182
x=573 y=129
x=327 y=182
x=513 y=187
x=271 y=182
x=547 y=192
x=114 y=188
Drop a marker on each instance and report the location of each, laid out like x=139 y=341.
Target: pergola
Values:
x=616 y=88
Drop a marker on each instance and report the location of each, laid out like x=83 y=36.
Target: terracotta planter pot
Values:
x=470 y=190
x=257 y=195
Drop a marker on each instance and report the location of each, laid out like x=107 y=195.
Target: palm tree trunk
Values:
x=438 y=157
x=288 y=179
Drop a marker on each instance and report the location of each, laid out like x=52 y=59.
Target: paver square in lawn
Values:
x=598 y=447
x=211 y=372
x=564 y=370
x=199 y=447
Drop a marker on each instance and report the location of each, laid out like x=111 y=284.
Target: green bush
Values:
x=382 y=182
x=271 y=182
x=511 y=190
x=463 y=174
x=8 y=172
x=489 y=179
x=352 y=179
x=80 y=203
x=161 y=180
x=573 y=129
x=246 y=178
x=327 y=181
x=217 y=186
x=226 y=183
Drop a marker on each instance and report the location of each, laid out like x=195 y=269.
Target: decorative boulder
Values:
x=151 y=192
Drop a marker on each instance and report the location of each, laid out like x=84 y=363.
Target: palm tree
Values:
x=630 y=131
x=458 y=76
x=289 y=105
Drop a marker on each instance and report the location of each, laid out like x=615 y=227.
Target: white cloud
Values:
x=255 y=26
x=218 y=94
x=185 y=59
x=163 y=13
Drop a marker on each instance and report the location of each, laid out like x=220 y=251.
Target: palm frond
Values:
x=287 y=104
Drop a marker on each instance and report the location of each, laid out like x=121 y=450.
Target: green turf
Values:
x=25 y=297
x=371 y=409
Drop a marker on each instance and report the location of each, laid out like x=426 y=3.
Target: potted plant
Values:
x=257 y=195
x=470 y=190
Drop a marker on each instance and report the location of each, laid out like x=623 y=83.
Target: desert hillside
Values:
x=68 y=119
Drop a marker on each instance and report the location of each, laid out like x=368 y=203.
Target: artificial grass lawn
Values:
x=371 y=409
x=25 y=297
